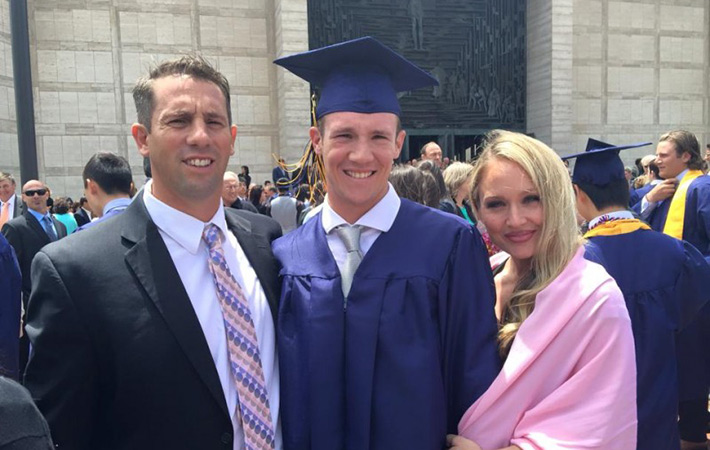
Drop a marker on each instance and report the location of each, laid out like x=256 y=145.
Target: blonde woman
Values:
x=569 y=377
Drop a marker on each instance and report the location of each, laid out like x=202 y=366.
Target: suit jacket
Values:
x=120 y=360
x=81 y=217
x=19 y=207
x=27 y=237
x=244 y=204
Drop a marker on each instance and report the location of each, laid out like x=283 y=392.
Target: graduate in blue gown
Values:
x=680 y=207
x=663 y=281
x=392 y=356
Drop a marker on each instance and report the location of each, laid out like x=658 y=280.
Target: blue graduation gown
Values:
x=413 y=348
x=636 y=195
x=664 y=285
x=694 y=341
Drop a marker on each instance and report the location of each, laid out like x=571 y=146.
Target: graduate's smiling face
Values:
x=509 y=206
x=669 y=163
x=357 y=150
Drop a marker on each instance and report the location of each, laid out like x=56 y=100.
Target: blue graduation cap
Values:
x=361 y=75
x=600 y=164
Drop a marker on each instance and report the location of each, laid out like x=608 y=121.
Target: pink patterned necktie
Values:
x=244 y=358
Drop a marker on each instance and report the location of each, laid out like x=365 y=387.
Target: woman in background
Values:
x=458 y=183
x=569 y=377
x=63 y=213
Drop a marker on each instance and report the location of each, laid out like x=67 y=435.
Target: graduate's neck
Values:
x=593 y=213
x=609 y=210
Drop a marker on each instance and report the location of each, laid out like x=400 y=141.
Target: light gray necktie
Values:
x=350 y=235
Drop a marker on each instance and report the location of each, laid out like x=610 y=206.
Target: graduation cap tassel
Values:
x=311 y=164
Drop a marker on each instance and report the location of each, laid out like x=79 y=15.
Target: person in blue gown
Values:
x=680 y=207
x=384 y=339
x=663 y=281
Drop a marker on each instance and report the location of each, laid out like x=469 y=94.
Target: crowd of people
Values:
x=503 y=304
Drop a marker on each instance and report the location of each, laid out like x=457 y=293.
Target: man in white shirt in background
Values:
x=10 y=204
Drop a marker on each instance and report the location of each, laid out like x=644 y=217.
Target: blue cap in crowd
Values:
x=600 y=164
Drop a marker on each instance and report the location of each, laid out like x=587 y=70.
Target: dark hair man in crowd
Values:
x=82 y=215
x=679 y=206
x=160 y=332
x=27 y=234
x=431 y=152
x=663 y=281
x=107 y=185
x=391 y=352
x=10 y=204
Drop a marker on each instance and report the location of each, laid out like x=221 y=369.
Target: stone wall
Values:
x=9 y=157
x=86 y=56
x=550 y=82
x=618 y=70
x=639 y=70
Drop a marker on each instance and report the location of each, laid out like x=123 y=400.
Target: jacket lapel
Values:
x=152 y=266
x=258 y=251
x=60 y=227
x=37 y=227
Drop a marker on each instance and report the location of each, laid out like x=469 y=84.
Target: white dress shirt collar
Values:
x=380 y=217
x=183 y=228
x=680 y=176
x=615 y=215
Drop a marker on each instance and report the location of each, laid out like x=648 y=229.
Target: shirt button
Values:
x=226 y=438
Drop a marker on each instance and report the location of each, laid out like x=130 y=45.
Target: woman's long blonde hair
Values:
x=559 y=238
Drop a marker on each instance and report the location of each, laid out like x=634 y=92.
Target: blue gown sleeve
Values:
x=10 y=292
x=471 y=360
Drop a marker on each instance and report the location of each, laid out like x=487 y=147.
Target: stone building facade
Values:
x=621 y=71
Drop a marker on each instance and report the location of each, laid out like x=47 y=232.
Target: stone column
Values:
x=291 y=36
x=549 y=72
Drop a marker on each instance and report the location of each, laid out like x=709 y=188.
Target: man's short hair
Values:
x=111 y=172
x=6 y=176
x=193 y=66
x=685 y=141
x=614 y=193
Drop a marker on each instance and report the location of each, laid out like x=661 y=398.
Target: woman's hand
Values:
x=459 y=443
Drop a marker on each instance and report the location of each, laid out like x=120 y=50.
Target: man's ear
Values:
x=140 y=135
x=233 y=132
x=316 y=139
x=685 y=157
x=399 y=142
x=92 y=186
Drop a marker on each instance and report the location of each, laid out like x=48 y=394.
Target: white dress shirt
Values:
x=616 y=215
x=182 y=235
x=647 y=207
x=377 y=220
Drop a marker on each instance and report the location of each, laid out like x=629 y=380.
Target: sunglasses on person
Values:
x=33 y=192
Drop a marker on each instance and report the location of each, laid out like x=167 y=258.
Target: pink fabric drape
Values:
x=570 y=379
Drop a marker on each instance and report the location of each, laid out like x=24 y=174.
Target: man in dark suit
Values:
x=10 y=204
x=136 y=342
x=232 y=190
x=82 y=215
x=27 y=234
